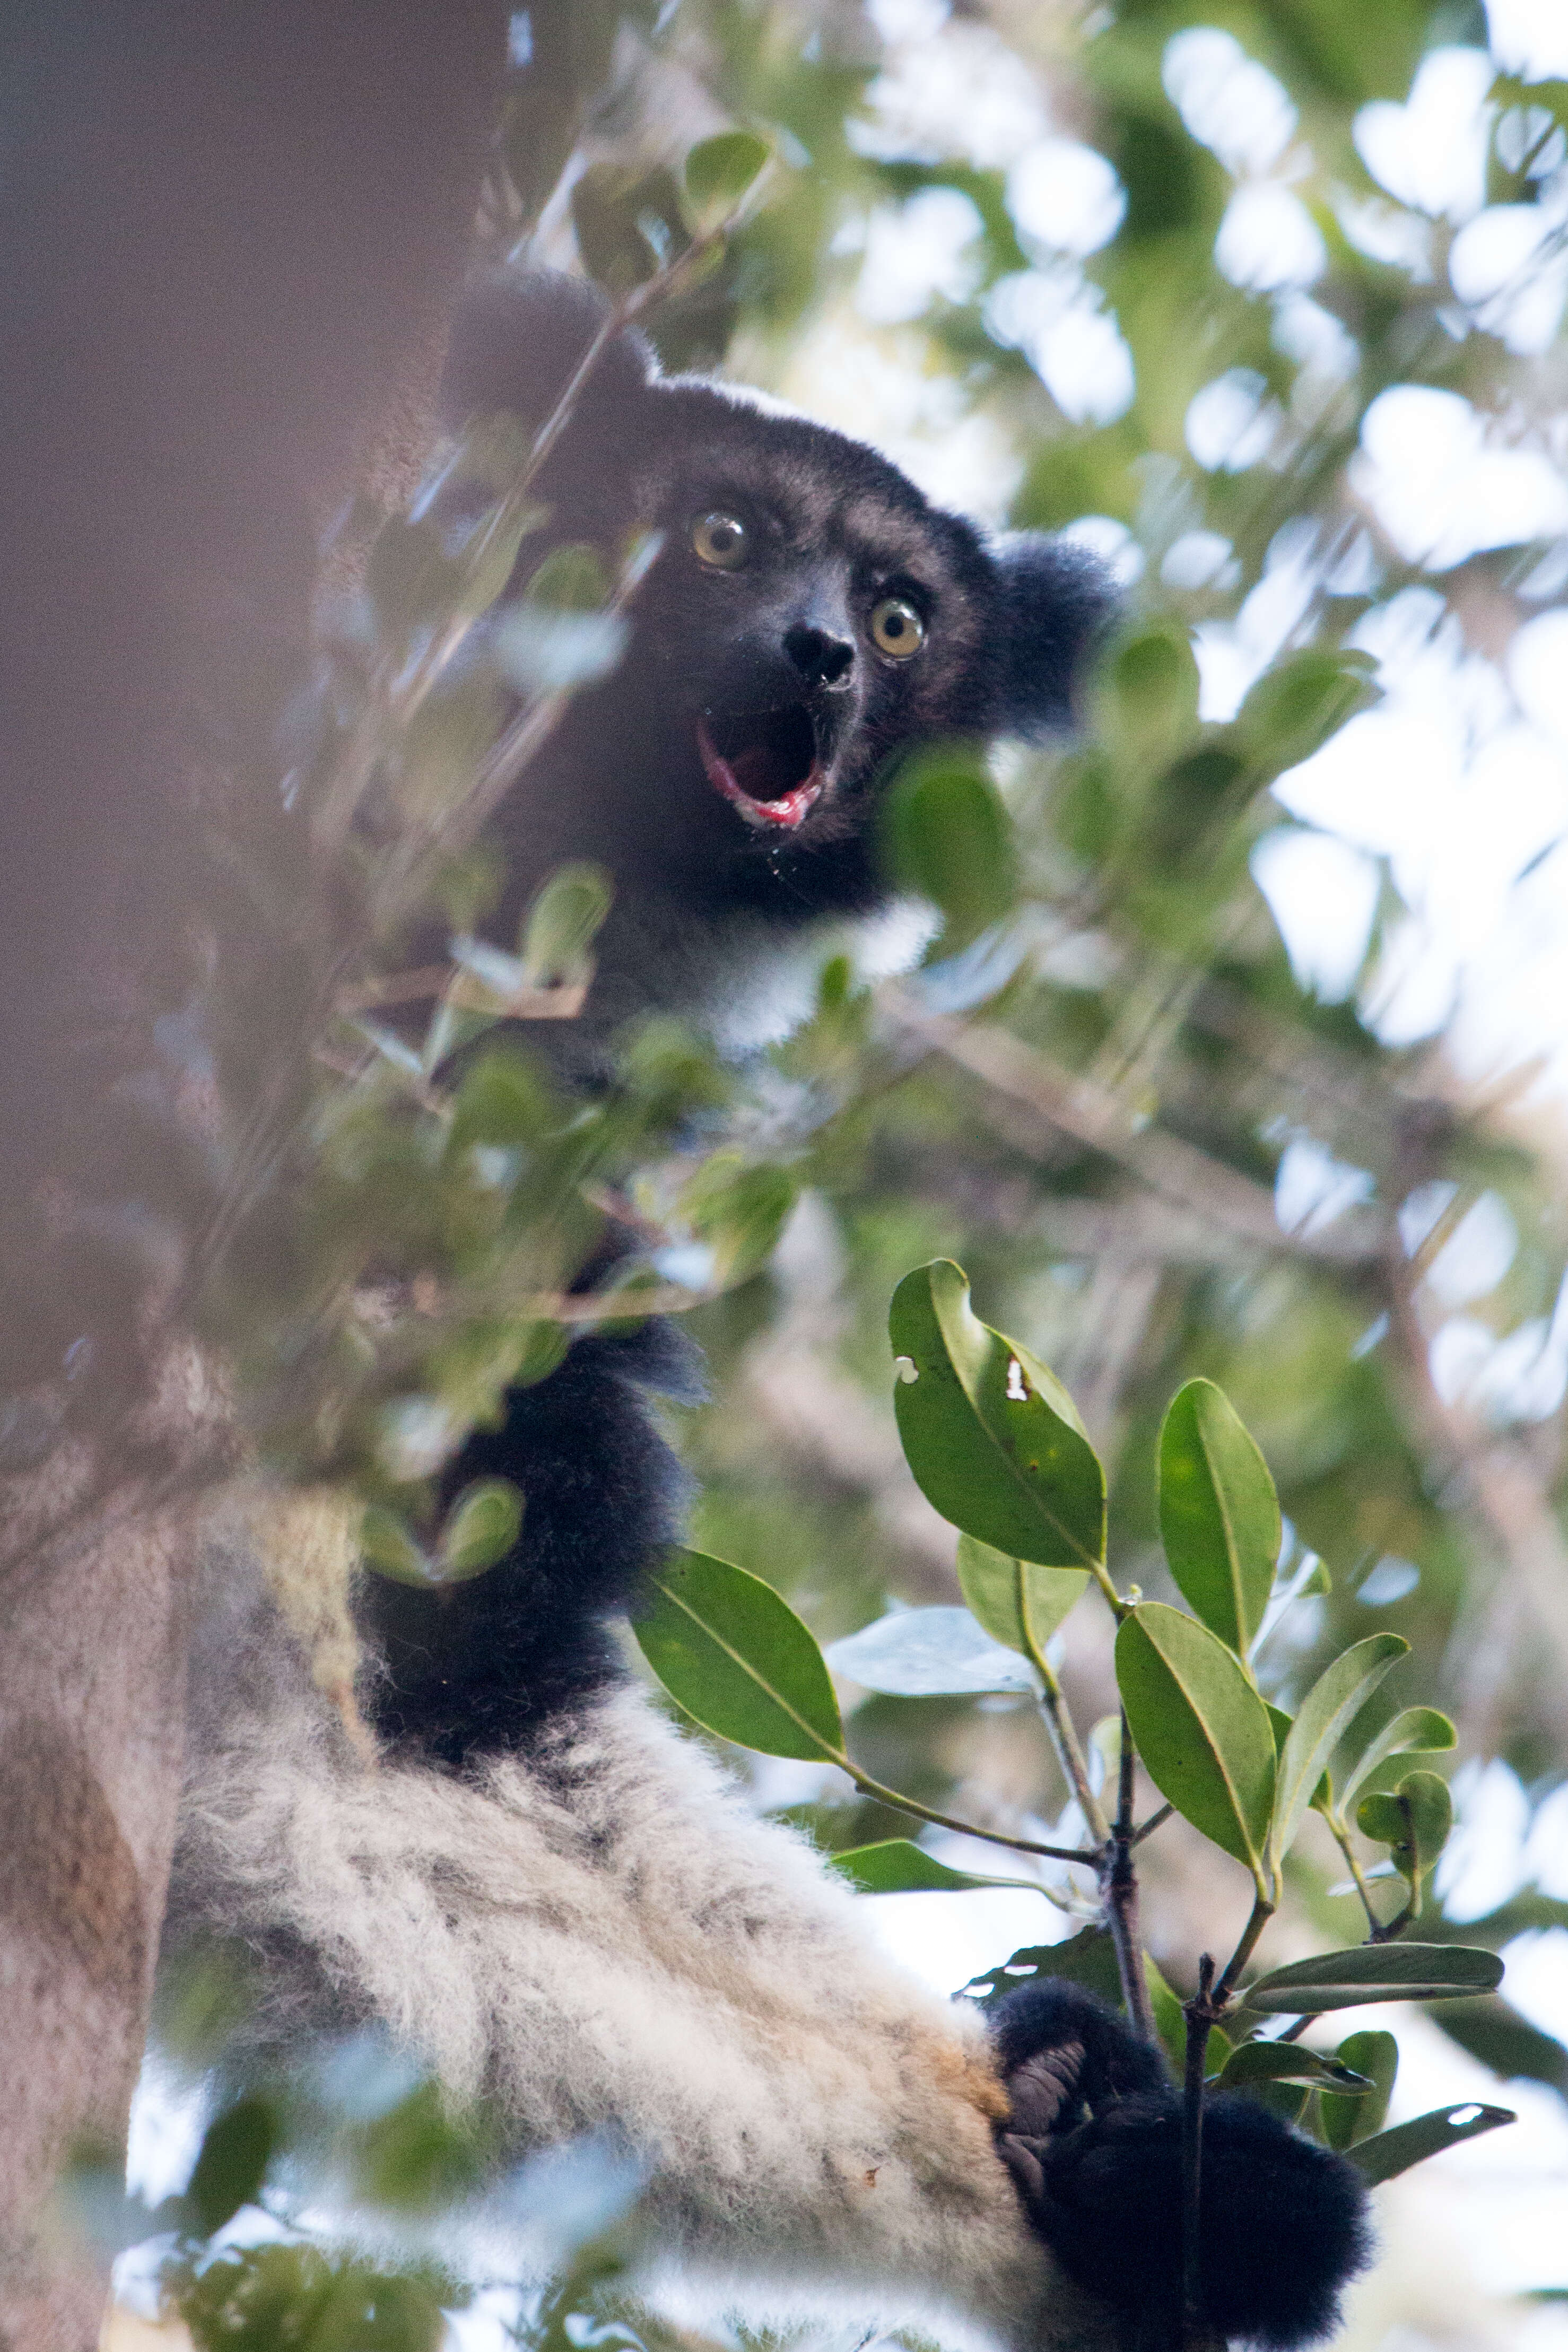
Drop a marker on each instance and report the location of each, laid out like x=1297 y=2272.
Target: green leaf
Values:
x=235 y=2152
x=739 y=1212
x=389 y=1545
x=1320 y=1723
x=898 y=1866
x=1018 y=1604
x=490 y=557
x=481 y=1528
x=994 y=1439
x=737 y=1658
x=1375 y=2055
x=560 y=927
x=1412 y=1820
x=1393 y=2152
x=1088 y=1959
x=1286 y=2062
x=1396 y=1971
x=504 y=1101
x=948 y=837
x=720 y=172
x=1418 y=1730
x=1146 y=696
x=1296 y=705
x=1199 y=1726
x=1219 y=1515
x=611 y=238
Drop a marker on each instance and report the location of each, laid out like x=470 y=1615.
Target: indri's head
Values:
x=810 y=615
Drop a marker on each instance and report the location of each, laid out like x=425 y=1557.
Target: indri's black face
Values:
x=810 y=615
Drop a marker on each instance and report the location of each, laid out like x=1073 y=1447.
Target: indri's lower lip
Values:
x=790 y=809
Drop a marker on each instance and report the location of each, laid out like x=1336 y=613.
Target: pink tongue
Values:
x=788 y=810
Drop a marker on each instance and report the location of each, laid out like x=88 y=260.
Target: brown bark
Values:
x=231 y=232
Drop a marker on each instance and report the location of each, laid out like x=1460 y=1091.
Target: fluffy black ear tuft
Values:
x=1056 y=600
x=516 y=340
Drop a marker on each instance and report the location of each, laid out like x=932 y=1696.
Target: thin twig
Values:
x=870 y=1788
x=1342 y=1840
x=1155 y=1820
x=1119 y=1887
x=1200 y=2014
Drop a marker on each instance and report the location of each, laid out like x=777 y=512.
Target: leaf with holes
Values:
x=994 y=1439
x=1201 y=1728
x=1219 y=1515
x=737 y=1658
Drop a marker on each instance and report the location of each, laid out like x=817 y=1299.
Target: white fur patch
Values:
x=602 y=1938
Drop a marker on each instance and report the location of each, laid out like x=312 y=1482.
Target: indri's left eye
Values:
x=897 y=628
x=719 y=541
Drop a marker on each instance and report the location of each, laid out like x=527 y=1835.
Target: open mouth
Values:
x=765 y=763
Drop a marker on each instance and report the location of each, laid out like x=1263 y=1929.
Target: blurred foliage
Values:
x=1160 y=1152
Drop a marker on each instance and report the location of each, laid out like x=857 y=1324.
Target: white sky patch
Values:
x=1440 y=489
x=1322 y=894
x=1502 y=266
x=1314 y=337
x=1477 y=1253
x=1537 y=673
x=1311 y=1188
x=947 y=90
x=1076 y=349
x=1229 y=101
x=1066 y=197
x=1231 y=422
x=1431 y=153
x=946 y=1939
x=1269 y=241
x=916 y=251
x=1199 y=559
x=1232 y=655
x=1529 y=38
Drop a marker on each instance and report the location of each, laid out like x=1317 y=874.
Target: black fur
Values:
x=477 y=1667
x=1284 y=2221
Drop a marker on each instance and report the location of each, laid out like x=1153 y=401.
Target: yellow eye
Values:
x=719 y=539
x=897 y=628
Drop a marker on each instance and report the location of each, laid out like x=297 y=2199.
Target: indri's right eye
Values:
x=719 y=540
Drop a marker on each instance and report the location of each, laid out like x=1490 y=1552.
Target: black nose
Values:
x=822 y=660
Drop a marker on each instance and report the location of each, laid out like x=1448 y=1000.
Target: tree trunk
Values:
x=231 y=233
